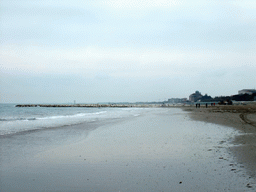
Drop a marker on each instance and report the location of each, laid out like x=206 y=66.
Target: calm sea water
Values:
x=14 y=120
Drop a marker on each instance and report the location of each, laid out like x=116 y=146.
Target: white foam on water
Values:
x=34 y=122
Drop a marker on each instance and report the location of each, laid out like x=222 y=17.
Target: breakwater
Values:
x=88 y=105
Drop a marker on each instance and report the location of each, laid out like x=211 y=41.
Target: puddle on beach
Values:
x=161 y=150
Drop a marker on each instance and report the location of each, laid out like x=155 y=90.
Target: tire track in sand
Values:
x=243 y=116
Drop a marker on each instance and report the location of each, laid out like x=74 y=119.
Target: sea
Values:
x=22 y=120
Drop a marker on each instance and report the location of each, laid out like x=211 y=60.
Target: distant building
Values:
x=177 y=100
x=247 y=91
x=206 y=98
x=195 y=96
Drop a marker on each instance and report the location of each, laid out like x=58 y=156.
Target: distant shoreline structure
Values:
x=140 y=105
x=90 y=105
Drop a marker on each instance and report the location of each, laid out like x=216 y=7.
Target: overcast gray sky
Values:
x=113 y=51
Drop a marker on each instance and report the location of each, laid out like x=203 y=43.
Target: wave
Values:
x=10 y=126
x=40 y=120
x=25 y=131
x=19 y=119
x=53 y=117
x=72 y=116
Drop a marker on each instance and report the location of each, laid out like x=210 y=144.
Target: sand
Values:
x=159 y=150
x=241 y=117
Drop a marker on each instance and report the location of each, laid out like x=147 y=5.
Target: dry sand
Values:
x=241 y=117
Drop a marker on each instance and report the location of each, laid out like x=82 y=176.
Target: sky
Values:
x=125 y=51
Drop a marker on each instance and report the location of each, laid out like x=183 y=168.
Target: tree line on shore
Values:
x=238 y=97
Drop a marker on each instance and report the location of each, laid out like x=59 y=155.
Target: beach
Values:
x=154 y=149
x=241 y=117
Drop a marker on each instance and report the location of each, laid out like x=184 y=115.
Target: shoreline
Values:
x=158 y=150
x=241 y=118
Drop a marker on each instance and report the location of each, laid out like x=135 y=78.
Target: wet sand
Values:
x=241 y=117
x=159 y=150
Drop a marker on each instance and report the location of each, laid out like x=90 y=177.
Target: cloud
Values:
x=128 y=62
x=143 y=4
x=245 y=4
x=96 y=58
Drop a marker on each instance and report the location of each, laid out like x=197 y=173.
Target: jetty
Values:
x=89 y=105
